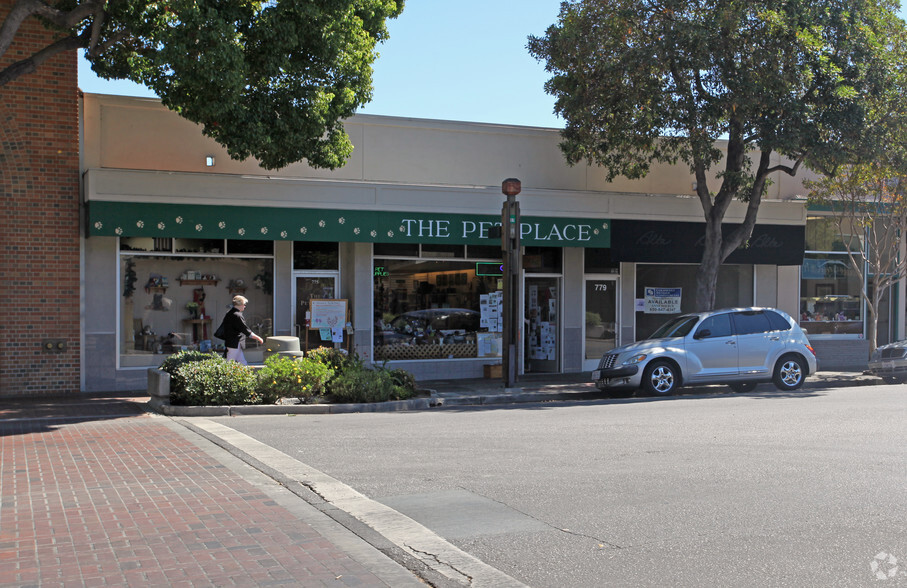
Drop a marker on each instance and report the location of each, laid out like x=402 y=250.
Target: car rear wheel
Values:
x=790 y=371
x=659 y=379
x=743 y=386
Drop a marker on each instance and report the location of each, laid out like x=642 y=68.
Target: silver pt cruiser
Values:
x=740 y=347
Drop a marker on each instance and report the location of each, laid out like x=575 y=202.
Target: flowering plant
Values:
x=291 y=377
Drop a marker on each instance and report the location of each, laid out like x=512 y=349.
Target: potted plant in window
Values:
x=192 y=307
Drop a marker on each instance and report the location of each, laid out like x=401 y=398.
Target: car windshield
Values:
x=676 y=327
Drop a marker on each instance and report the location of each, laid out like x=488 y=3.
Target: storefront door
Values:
x=542 y=306
x=309 y=286
x=601 y=326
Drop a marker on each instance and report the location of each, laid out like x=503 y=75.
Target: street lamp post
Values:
x=510 y=245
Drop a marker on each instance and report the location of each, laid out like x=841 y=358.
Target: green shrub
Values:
x=334 y=358
x=285 y=376
x=402 y=378
x=214 y=383
x=360 y=384
x=172 y=364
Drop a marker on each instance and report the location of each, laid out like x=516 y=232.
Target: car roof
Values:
x=735 y=309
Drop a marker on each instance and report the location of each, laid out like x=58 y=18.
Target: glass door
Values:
x=601 y=326
x=309 y=286
x=541 y=304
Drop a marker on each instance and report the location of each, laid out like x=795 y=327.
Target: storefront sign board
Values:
x=140 y=219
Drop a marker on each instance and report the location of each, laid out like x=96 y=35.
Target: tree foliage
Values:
x=818 y=82
x=868 y=203
x=269 y=79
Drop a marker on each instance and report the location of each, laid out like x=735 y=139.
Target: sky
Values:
x=462 y=61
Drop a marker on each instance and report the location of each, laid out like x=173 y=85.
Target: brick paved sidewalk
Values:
x=97 y=493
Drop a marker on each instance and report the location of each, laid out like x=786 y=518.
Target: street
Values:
x=759 y=489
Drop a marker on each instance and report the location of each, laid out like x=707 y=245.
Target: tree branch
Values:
x=29 y=65
x=791 y=171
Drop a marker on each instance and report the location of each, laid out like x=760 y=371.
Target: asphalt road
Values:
x=761 y=489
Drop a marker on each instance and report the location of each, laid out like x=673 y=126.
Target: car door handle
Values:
x=730 y=342
x=775 y=338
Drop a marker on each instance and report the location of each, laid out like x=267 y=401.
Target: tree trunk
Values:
x=872 y=325
x=707 y=274
x=872 y=329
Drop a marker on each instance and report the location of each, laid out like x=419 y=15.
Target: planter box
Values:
x=494 y=371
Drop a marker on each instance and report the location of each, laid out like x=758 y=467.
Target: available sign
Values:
x=662 y=300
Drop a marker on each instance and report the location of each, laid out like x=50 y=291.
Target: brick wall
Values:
x=39 y=221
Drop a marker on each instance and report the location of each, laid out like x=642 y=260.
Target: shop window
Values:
x=250 y=247
x=147 y=244
x=735 y=288
x=396 y=249
x=484 y=251
x=434 y=309
x=198 y=245
x=543 y=260
x=823 y=234
x=598 y=261
x=431 y=250
x=173 y=303
x=830 y=295
x=316 y=255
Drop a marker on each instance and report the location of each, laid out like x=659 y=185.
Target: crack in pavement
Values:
x=433 y=556
x=546 y=523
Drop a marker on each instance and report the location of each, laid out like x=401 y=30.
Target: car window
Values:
x=778 y=322
x=718 y=326
x=676 y=327
x=751 y=321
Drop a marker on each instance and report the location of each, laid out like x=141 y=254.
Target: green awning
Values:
x=131 y=219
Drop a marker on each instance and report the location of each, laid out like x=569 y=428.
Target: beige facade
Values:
x=136 y=151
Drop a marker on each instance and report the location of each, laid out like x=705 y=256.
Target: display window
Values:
x=175 y=302
x=434 y=309
x=830 y=301
x=663 y=291
x=830 y=287
x=316 y=255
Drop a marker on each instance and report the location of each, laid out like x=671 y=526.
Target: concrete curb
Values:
x=435 y=401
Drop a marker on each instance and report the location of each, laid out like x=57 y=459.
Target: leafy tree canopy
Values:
x=821 y=82
x=269 y=79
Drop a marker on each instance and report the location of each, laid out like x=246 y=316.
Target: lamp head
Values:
x=511 y=187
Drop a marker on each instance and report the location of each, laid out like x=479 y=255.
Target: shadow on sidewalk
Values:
x=37 y=413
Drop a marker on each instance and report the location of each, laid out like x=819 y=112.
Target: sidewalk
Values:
x=95 y=492
x=480 y=392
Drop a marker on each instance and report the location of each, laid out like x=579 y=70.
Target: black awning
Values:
x=670 y=242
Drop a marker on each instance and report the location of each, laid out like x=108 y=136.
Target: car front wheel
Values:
x=790 y=372
x=659 y=379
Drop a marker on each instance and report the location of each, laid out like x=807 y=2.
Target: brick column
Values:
x=39 y=222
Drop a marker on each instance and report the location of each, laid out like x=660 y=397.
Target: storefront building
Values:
x=399 y=238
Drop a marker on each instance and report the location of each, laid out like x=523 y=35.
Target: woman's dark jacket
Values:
x=235 y=329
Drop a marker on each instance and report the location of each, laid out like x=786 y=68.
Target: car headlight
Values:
x=635 y=359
